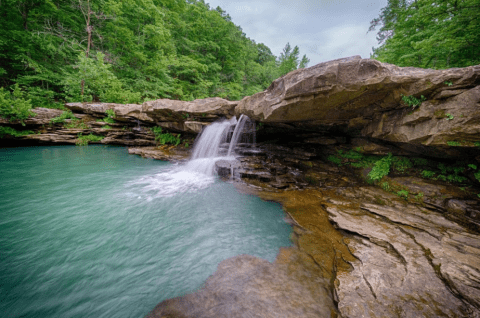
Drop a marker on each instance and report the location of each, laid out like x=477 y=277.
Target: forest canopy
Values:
x=131 y=50
x=428 y=33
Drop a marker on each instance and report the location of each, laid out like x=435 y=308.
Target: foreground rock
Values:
x=246 y=286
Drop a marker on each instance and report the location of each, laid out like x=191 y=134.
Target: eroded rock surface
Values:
x=355 y=94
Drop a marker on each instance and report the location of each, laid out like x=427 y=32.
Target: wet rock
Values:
x=167 y=153
x=225 y=168
x=246 y=286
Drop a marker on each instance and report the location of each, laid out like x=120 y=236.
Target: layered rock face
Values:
x=366 y=97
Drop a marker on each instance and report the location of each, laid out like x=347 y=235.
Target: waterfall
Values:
x=210 y=145
x=236 y=133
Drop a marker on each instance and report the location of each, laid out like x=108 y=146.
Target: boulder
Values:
x=364 y=97
x=208 y=109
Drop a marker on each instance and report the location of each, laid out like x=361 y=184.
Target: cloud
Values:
x=322 y=29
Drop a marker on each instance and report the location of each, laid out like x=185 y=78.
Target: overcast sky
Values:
x=322 y=29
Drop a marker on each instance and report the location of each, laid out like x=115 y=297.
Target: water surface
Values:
x=95 y=232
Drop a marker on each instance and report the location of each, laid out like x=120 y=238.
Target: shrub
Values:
x=84 y=140
x=13 y=106
x=420 y=161
x=12 y=132
x=110 y=116
x=412 y=101
x=403 y=194
x=381 y=168
x=401 y=163
x=165 y=138
x=427 y=174
x=116 y=94
x=61 y=119
x=75 y=124
x=335 y=160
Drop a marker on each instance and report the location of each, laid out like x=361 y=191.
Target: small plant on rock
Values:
x=84 y=140
x=110 y=116
x=412 y=101
x=381 y=168
x=61 y=119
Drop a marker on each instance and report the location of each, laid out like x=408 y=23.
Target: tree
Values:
x=288 y=60
x=437 y=34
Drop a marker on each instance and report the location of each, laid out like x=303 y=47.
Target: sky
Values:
x=324 y=30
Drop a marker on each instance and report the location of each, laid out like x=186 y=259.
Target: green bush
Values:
x=42 y=97
x=427 y=174
x=13 y=106
x=110 y=116
x=116 y=94
x=420 y=161
x=165 y=138
x=403 y=194
x=401 y=163
x=477 y=176
x=84 y=140
x=12 y=132
x=61 y=119
x=412 y=101
x=381 y=168
x=335 y=160
x=75 y=124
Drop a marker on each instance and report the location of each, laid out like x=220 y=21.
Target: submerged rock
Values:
x=246 y=286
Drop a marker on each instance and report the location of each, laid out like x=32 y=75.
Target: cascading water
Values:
x=209 y=146
x=216 y=142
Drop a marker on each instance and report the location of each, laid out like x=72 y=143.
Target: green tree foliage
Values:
x=427 y=33
x=131 y=50
x=14 y=106
x=289 y=60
